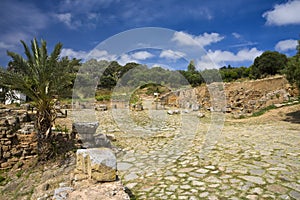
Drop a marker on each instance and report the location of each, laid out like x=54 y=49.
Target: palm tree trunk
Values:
x=44 y=124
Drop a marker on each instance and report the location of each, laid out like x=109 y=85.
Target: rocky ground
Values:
x=181 y=157
x=184 y=157
x=56 y=180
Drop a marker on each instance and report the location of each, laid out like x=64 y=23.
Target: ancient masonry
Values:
x=18 y=137
x=236 y=97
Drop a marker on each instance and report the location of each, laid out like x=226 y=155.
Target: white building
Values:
x=15 y=97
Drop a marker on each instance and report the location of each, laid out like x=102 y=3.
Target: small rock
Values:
x=170 y=112
x=200 y=115
x=62 y=193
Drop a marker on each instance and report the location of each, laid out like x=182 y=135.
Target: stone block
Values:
x=100 y=164
x=81 y=160
x=86 y=131
x=101 y=140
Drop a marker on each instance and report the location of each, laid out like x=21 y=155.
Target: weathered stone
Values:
x=294 y=194
x=62 y=193
x=253 y=179
x=6 y=165
x=80 y=177
x=100 y=163
x=170 y=112
x=86 y=131
x=111 y=137
x=200 y=115
x=81 y=160
x=102 y=141
x=6 y=154
x=277 y=189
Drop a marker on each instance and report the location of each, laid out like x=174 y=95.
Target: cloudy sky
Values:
x=230 y=33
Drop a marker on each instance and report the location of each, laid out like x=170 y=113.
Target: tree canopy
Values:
x=292 y=69
x=269 y=63
x=40 y=76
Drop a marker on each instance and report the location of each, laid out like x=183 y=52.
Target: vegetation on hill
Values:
x=292 y=69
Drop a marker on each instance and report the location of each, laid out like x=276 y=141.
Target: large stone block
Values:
x=81 y=160
x=86 y=131
x=99 y=163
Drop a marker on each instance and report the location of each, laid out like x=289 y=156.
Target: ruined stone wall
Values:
x=240 y=97
x=18 y=141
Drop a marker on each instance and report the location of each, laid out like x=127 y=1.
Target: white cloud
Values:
x=125 y=58
x=73 y=54
x=66 y=18
x=205 y=39
x=101 y=55
x=286 y=45
x=236 y=35
x=284 y=14
x=94 y=54
x=170 y=54
x=218 y=58
x=87 y=13
x=142 y=55
x=4 y=45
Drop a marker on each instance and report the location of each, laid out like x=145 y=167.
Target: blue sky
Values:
x=232 y=32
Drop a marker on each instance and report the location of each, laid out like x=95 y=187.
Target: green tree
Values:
x=292 y=69
x=269 y=63
x=40 y=76
x=191 y=67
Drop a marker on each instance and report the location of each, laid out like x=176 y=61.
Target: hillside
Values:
x=241 y=98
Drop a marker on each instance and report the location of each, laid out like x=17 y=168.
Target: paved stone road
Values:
x=176 y=157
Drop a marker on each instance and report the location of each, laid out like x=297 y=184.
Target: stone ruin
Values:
x=17 y=137
x=237 y=98
x=18 y=141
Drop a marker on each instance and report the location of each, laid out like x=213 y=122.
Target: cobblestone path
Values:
x=166 y=157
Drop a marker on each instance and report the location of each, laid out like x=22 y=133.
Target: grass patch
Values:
x=19 y=173
x=105 y=97
x=263 y=111
x=2 y=179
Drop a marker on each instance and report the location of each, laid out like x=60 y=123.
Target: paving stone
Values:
x=293 y=185
x=197 y=183
x=229 y=193
x=257 y=172
x=294 y=194
x=277 y=189
x=252 y=197
x=171 y=178
x=257 y=190
x=211 y=167
x=212 y=179
x=185 y=187
x=202 y=171
x=204 y=194
x=253 y=179
x=213 y=198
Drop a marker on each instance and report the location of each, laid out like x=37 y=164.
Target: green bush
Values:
x=103 y=97
x=263 y=111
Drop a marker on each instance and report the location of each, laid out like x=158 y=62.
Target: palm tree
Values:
x=40 y=76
